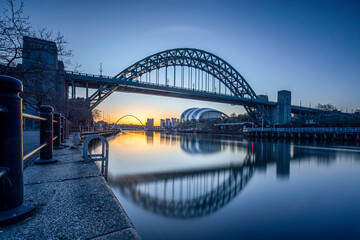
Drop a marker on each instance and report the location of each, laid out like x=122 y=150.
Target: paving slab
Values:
x=73 y=201
x=50 y=173
x=125 y=234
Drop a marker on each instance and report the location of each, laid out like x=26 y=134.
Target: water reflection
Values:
x=195 y=193
x=195 y=145
x=229 y=180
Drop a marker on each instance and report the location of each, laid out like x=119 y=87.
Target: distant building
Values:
x=167 y=123
x=162 y=123
x=201 y=115
x=150 y=124
x=174 y=122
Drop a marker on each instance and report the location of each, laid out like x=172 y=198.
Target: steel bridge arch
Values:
x=194 y=58
x=204 y=61
x=129 y=115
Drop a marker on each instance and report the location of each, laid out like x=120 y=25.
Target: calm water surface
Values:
x=222 y=187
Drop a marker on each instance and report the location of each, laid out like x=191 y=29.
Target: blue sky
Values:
x=308 y=47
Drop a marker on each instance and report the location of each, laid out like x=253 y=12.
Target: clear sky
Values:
x=311 y=48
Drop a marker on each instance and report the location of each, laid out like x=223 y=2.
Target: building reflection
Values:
x=193 y=145
x=149 y=137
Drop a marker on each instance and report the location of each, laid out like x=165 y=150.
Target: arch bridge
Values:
x=183 y=73
x=133 y=116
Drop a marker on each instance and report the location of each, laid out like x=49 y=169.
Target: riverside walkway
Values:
x=73 y=202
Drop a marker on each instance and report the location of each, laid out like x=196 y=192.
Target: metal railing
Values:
x=307 y=129
x=103 y=157
x=88 y=75
x=53 y=129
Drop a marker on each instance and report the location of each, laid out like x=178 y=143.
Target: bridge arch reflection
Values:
x=187 y=194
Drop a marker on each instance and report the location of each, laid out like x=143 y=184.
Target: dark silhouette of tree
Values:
x=326 y=107
x=14 y=26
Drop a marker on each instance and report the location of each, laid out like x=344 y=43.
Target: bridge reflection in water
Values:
x=196 y=193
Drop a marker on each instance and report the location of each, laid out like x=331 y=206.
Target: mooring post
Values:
x=62 y=129
x=46 y=135
x=65 y=128
x=67 y=132
x=12 y=207
x=57 y=130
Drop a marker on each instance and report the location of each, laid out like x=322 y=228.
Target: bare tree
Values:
x=13 y=26
x=96 y=114
x=78 y=112
x=326 y=107
x=37 y=89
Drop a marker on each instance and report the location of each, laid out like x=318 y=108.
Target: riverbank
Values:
x=73 y=202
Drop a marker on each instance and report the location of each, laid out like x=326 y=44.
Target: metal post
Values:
x=182 y=76
x=12 y=207
x=57 y=131
x=166 y=81
x=191 y=81
x=65 y=128
x=46 y=135
x=189 y=85
x=174 y=75
x=87 y=90
x=62 y=129
x=67 y=133
x=195 y=78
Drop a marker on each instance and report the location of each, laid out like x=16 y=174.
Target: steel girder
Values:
x=195 y=58
x=98 y=96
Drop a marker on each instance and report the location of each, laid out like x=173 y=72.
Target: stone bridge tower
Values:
x=43 y=71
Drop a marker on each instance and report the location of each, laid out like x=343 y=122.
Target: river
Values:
x=198 y=186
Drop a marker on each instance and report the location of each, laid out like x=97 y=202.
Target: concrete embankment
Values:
x=104 y=133
x=73 y=202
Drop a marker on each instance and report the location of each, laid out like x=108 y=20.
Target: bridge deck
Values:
x=95 y=81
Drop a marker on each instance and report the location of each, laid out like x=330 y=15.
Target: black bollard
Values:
x=46 y=135
x=12 y=206
x=66 y=129
x=57 y=131
x=62 y=129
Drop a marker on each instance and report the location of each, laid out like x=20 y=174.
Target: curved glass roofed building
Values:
x=201 y=114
